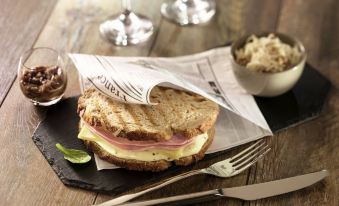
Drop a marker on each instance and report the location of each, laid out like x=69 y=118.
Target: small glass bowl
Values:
x=42 y=76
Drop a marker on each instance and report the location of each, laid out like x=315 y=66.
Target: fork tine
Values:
x=250 y=164
x=251 y=157
x=244 y=151
x=248 y=154
x=253 y=161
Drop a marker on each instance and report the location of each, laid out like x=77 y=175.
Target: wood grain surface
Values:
x=20 y=25
x=72 y=26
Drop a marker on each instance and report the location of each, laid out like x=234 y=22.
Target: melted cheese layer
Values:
x=145 y=155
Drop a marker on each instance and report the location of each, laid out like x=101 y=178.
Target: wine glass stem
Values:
x=126 y=5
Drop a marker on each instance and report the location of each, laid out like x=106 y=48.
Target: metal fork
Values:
x=226 y=168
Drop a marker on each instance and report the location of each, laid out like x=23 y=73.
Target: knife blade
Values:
x=273 y=188
x=248 y=192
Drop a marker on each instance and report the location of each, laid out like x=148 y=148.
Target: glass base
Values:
x=127 y=28
x=54 y=101
x=186 y=12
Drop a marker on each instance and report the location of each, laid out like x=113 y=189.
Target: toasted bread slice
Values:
x=177 y=112
x=154 y=166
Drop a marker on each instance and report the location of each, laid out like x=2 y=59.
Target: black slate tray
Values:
x=304 y=102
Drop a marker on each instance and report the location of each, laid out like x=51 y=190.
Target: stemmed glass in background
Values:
x=127 y=28
x=186 y=12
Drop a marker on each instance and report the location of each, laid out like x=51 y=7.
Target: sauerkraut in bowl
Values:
x=267 y=64
x=268 y=54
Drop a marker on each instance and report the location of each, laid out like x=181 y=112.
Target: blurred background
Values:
x=73 y=26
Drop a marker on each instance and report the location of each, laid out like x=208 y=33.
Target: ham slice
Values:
x=174 y=143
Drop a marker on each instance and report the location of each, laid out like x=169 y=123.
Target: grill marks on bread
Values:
x=178 y=112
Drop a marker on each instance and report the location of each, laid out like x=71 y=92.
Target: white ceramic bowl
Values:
x=268 y=84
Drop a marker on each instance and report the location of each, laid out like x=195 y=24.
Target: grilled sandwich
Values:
x=178 y=130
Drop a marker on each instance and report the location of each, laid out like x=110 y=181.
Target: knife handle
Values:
x=182 y=199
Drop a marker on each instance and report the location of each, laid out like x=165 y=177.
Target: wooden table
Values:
x=72 y=26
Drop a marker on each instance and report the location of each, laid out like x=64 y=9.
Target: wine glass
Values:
x=126 y=28
x=186 y=12
x=42 y=75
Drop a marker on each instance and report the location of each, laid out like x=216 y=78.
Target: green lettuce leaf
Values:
x=74 y=155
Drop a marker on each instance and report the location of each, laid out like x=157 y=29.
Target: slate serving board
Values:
x=304 y=102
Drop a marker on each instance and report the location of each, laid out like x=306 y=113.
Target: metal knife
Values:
x=248 y=192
